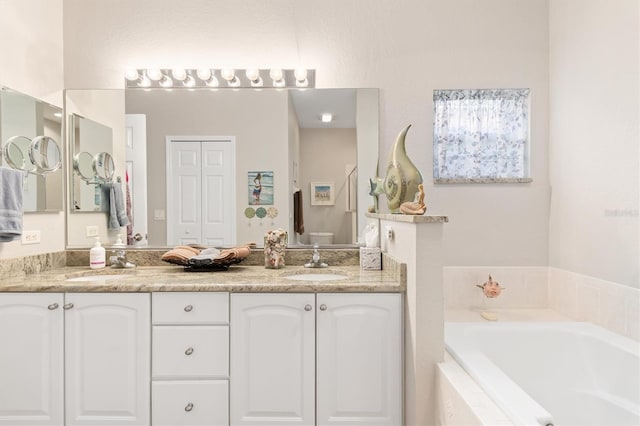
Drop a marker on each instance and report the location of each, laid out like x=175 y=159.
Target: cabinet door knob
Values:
x=189 y=407
x=189 y=351
x=307 y=307
x=188 y=308
x=323 y=307
x=52 y=306
x=67 y=306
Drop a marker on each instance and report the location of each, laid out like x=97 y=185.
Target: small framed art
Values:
x=322 y=194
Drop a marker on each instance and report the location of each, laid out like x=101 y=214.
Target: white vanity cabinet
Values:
x=190 y=359
x=316 y=359
x=31 y=359
x=105 y=339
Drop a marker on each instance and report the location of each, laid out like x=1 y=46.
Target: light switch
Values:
x=158 y=214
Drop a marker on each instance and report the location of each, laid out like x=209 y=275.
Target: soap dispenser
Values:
x=97 y=255
x=119 y=242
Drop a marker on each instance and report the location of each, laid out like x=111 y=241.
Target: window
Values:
x=481 y=135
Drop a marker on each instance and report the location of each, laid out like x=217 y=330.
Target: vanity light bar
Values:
x=210 y=78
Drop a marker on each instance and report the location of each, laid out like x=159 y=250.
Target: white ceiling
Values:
x=310 y=104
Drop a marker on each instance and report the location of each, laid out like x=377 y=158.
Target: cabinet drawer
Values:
x=190 y=308
x=182 y=403
x=190 y=351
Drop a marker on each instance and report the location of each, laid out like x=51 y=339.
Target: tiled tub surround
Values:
x=578 y=297
x=610 y=305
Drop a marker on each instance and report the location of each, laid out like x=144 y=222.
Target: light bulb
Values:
x=166 y=81
x=179 y=73
x=276 y=75
x=189 y=81
x=204 y=74
x=131 y=75
x=144 y=81
x=212 y=82
x=253 y=74
x=228 y=74
x=154 y=74
x=327 y=117
x=300 y=74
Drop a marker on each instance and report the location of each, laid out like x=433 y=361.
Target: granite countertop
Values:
x=237 y=278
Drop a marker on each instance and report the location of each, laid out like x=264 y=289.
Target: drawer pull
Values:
x=189 y=351
x=323 y=307
x=67 y=306
x=52 y=306
x=189 y=407
x=188 y=308
x=307 y=308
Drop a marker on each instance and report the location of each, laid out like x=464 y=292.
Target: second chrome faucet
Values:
x=315 y=259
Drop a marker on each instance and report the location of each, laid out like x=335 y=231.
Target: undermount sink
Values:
x=316 y=277
x=102 y=277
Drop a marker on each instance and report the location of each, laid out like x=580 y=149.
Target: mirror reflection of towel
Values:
x=11 y=204
x=298 y=220
x=115 y=201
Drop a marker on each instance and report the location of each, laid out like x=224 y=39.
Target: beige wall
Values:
x=407 y=49
x=316 y=166
x=594 y=133
x=31 y=62
x=257 y=120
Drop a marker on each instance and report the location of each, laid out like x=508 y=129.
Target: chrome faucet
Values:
x=120 y=260
x=315 y=259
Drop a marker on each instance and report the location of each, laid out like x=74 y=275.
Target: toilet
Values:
x=321 y=238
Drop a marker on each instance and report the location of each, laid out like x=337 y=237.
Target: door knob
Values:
x=137 y=237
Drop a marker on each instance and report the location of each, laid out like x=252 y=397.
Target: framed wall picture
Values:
x=261 y=188
x=322 y=194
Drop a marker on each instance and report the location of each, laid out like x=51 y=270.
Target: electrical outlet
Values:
x=31 y=237
x=92 y=231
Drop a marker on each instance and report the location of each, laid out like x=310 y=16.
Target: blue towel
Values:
x=11 y=182
x=116 y=207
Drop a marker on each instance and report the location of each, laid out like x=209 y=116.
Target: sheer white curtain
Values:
x=481 y=133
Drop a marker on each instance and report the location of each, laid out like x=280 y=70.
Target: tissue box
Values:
x=370 y=258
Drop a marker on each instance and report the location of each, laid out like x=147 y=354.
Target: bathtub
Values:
x=551 y=373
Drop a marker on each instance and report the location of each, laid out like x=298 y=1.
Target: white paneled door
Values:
x=201 y=191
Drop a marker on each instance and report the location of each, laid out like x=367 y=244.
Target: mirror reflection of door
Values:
x=136 y=155
x=201 y=191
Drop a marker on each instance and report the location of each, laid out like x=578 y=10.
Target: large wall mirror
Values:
x=278 y=134
x=30 y=135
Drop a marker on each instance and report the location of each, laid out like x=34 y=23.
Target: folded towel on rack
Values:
x=117 y=211
x=11 y=204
